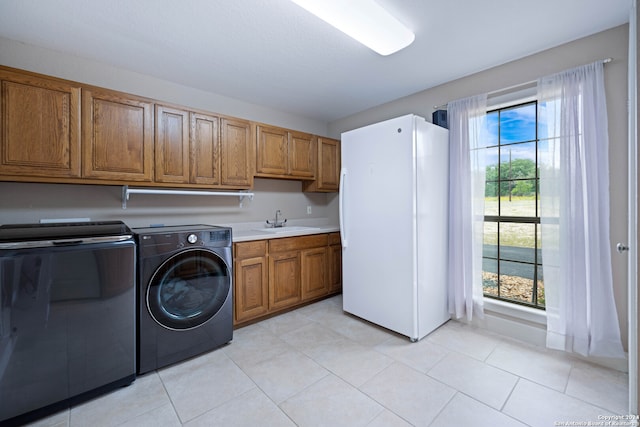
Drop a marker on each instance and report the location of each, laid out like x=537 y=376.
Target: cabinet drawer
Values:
x=299 y=242
x=334 y=238
x=256 y=248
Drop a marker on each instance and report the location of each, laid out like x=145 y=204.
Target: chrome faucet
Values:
x=276 y=223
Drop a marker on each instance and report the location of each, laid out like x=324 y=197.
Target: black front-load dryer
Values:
x=185 y=298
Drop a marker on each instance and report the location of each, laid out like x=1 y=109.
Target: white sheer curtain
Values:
x=574 y=213
x=467 y=130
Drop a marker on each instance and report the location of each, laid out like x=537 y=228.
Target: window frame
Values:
x=510 y=219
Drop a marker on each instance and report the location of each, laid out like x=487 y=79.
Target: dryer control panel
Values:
x=155 y=240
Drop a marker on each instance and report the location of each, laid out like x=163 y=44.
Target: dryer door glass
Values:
x=188 y=289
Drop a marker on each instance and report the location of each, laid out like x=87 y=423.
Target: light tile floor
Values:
x=317 y=366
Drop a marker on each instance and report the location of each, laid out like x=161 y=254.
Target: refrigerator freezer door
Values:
x=432 y=225
x=378 y=209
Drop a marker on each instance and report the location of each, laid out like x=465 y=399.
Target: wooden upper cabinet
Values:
x=285 y=154
x=39 y=127
x=117 y=136
x=205 y=149
x=328 y=167
x=171 y=145
x=302 y=155
x=54 y=130
x=237 y=153
x=328 y=177
x=272 y=151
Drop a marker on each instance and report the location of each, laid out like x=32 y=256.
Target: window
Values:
x=512 y=261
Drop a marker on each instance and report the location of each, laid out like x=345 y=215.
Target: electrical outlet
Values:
x=308 y=210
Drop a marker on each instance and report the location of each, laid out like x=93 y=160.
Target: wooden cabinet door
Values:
x=251 y=298
x=117 y=136
x=328 y=167
x=205 y=149
x=284 y=279
x=302 y=155
x=271 y=151
x=314 y=273
x=39 y=127
x=236 y=147
x=251 y=286
x=328 y=174
x=335 y=268
x=172 y=145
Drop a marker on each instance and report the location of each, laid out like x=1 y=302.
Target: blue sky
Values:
x=516 y=125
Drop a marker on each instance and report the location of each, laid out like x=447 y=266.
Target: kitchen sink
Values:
x=286 y=229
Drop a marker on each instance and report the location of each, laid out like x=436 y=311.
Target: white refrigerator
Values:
x=393 y=206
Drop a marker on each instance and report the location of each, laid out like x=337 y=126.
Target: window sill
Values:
x=516 y=311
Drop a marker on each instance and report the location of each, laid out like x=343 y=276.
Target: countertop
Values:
x=246 y=231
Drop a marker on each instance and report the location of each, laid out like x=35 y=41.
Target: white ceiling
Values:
x=273 y=53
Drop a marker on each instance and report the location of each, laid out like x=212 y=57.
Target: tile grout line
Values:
x=382 y=405
x=510 y=394
x=445 y=405
x=276 y=404
x=260 y=388
x=164 y=387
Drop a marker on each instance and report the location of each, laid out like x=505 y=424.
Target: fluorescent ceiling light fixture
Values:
x=364 y=20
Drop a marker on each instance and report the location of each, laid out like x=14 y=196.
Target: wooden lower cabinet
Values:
x=335 y=263
x=251 y=297
x=315 y=271
x=284 y=279
x=278 y=274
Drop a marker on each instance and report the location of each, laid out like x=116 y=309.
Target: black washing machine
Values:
x=185 y=298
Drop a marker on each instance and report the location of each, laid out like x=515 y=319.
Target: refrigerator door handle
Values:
x=343 y=230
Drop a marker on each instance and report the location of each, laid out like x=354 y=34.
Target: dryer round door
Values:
x=188 y=289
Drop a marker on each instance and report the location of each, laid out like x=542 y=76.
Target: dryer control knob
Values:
x=192 y=238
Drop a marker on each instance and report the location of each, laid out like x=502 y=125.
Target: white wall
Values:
x=27 y=202
x=65 y=66
x=611 y=43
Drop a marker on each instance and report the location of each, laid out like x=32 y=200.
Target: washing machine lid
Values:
x=64 y=230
